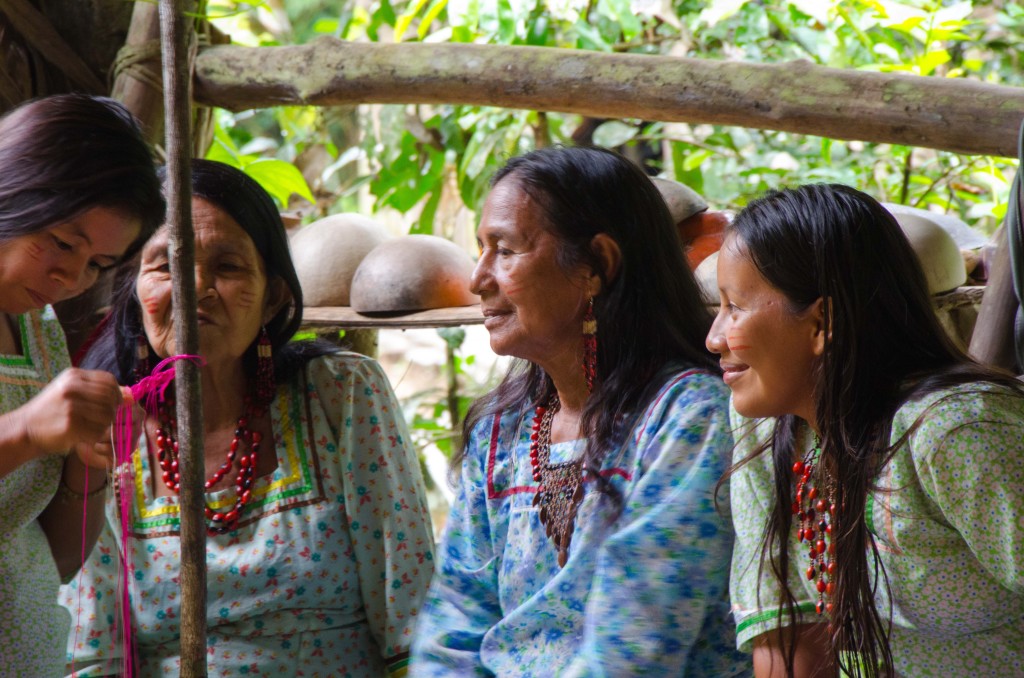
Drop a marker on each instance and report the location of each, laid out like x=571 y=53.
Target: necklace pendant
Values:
x=560 y=489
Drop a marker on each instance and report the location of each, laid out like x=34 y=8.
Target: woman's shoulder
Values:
x=690 y=384
x=341 y=363
x=965 y=403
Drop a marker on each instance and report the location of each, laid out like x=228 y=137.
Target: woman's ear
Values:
x=278 y=295
x=818 y=312
x=610 y=258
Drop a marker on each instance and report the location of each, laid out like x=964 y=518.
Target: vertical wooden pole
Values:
x=992 y=340
x=177 y=38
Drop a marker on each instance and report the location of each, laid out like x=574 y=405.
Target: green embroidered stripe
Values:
x=869 y=511
x=772 y=614
x=21 y=360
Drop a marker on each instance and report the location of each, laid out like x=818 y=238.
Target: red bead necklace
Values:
x=219 y=522
x=814 y=526
x=561 y=485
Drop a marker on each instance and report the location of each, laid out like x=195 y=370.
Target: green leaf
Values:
x=280 y=179
x=696 y=159
x=614 y=133
x=929 y=61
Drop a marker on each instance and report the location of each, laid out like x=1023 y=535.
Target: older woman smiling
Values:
x=584 y=539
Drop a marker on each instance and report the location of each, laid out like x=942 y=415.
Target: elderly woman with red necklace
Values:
x=320 y=545
x=584 y=538
x=879 y=494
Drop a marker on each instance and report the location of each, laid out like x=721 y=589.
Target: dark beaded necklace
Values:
x=218 y=522
x=561 y=485
x=814 y=526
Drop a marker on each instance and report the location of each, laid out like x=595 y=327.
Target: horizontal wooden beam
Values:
x=953 y=114
x=345 y=317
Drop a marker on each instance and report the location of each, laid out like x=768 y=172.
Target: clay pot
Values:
x=702 y=235
x=328 y=252
x=940 y=258
x=413 y=273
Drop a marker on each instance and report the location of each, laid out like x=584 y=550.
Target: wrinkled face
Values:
x=768 y=352
x=532 y=308
x=64 y=260
x=231 y=287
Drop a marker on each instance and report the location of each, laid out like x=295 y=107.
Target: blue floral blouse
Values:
x=645 y=589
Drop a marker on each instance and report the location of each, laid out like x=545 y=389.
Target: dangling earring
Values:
x=142 y=367
x=590 y=345
x=265 y=386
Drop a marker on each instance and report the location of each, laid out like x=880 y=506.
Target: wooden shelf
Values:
x=344 y=317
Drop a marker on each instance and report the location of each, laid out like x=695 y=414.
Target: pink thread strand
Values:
x=149 y=392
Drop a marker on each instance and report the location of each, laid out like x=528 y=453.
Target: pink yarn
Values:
x=149 y=392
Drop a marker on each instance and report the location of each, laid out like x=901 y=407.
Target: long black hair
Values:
x=884 y=347
x=650 y=315
x=233 y=191
x=65 y=154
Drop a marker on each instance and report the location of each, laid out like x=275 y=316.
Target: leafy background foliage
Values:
x=415 y=159
x=427 y=167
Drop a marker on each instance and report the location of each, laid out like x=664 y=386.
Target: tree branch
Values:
x=959 y=115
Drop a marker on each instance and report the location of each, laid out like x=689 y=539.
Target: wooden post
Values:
x=178 y=40
x=137 y=83
x=992 y=340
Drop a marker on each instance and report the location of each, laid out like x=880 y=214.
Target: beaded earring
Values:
x=590 y=345
x=142 y=366
x=265 y=385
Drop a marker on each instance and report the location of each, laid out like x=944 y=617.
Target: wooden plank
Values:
x=344 y=317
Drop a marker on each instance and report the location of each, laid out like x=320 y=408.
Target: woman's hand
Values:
x=74 y=411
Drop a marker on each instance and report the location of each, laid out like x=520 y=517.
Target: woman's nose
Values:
x=478 y=279
x=204 y=282
x=70 y=273
x=715 y=341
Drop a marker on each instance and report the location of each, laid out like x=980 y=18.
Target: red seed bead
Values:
x=820 y=606
x=234 y=445
x=821 y=586
x=829 y=588
x=812 y=494
x=828 y=607
x=820 y=546
x=257 y=437
x=810 y=572
x=822 y=506
x=231 y=516
x=245 y=496
x=831 y=569
x=798 y=467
